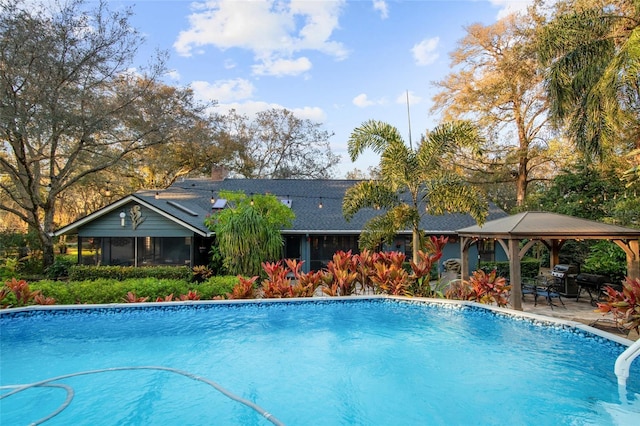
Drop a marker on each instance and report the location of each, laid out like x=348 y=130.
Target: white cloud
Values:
x=174 y=75
x=425 y=52
x=381 y=6
x=251 y=108
x=274 y=30
x=508 y=7
x=413 y=98
x=223 y=90
x=283 y=67
x=363 y=101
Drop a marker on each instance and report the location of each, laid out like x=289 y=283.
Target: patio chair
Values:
x=547 y=287
x=529 y=287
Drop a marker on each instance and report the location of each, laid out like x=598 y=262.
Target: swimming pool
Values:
x=353 y=361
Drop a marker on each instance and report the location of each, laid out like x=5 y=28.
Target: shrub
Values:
x=217 y=286
x=529 y=268
x=244 y=289
x=343 y=270
x=202 y=273
x=390 y=276
x=17 y=293
x=88 y=272
x=625 y=304
x=481 y=287
x=277 y=284
x=113 y=291
x=606 y=258
x=422 y=272
x=60 y=268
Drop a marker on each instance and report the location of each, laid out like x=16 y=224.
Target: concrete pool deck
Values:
x=580 y=311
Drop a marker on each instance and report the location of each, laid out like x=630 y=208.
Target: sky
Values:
x=335 y=62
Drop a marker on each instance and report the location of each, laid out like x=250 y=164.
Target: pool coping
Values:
x=535 y=318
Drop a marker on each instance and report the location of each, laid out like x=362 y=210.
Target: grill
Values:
x=593 y=283
x=565 y=278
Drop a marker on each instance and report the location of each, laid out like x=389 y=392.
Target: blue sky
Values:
x=338 y=63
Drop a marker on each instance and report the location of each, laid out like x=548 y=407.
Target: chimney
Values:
x=218 y=173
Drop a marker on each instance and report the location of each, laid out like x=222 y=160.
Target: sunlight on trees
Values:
x=72 y=107
x=495 y=83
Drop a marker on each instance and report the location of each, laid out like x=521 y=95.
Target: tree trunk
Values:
x=415 y=244
x=521 y=187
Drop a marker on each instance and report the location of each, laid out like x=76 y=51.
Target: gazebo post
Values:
x=632 y=250
x=633 y=263
x=555 y=253
x=514 y=274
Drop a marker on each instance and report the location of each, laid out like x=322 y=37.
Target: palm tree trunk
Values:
x=415 y=244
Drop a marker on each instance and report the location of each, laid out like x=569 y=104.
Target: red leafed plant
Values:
x=489 y=288
x=459 y=290
x=277 y=284
x=192 y=295
x=245 y=289
x=421 y=271
x=342 y=268
x=40 y=299
x=132 y=297
x=390 y=276
x=625 y=304
x=168 y=298
x=308 y=283
x=305 y=284
x=21 y=291
x=364 y=267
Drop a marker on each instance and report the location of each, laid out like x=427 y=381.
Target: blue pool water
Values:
x=360 y=362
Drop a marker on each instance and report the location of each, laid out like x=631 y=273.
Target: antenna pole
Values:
x=409 y=118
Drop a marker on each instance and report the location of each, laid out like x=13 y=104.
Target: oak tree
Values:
x=72 y=106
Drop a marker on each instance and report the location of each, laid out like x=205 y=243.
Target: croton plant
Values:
x=624 y=305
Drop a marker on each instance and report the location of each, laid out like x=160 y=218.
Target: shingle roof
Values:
x=194 y=195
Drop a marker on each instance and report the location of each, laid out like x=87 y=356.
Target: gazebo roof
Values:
x=548 y=225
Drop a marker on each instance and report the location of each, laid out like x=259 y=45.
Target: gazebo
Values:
x=552 y=230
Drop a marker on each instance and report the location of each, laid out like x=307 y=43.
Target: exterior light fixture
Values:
x=320 y=205
x=122 y=216
x=213 y=199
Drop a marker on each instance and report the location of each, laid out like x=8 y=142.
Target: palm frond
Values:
x=374 y=135
x=452 y=195
x=384 y=228
x=373 y=194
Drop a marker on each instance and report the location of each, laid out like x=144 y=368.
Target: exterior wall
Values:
x=142 y=238
x=150 y=224
x=317 y=250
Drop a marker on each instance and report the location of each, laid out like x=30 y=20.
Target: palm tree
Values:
x=591 y=57
x=248 y=231
x=410 y=178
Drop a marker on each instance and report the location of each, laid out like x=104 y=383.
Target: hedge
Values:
x=105 y=290
x=529 y=268
x=120 y=273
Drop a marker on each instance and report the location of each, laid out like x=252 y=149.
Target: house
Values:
x=167 y=227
